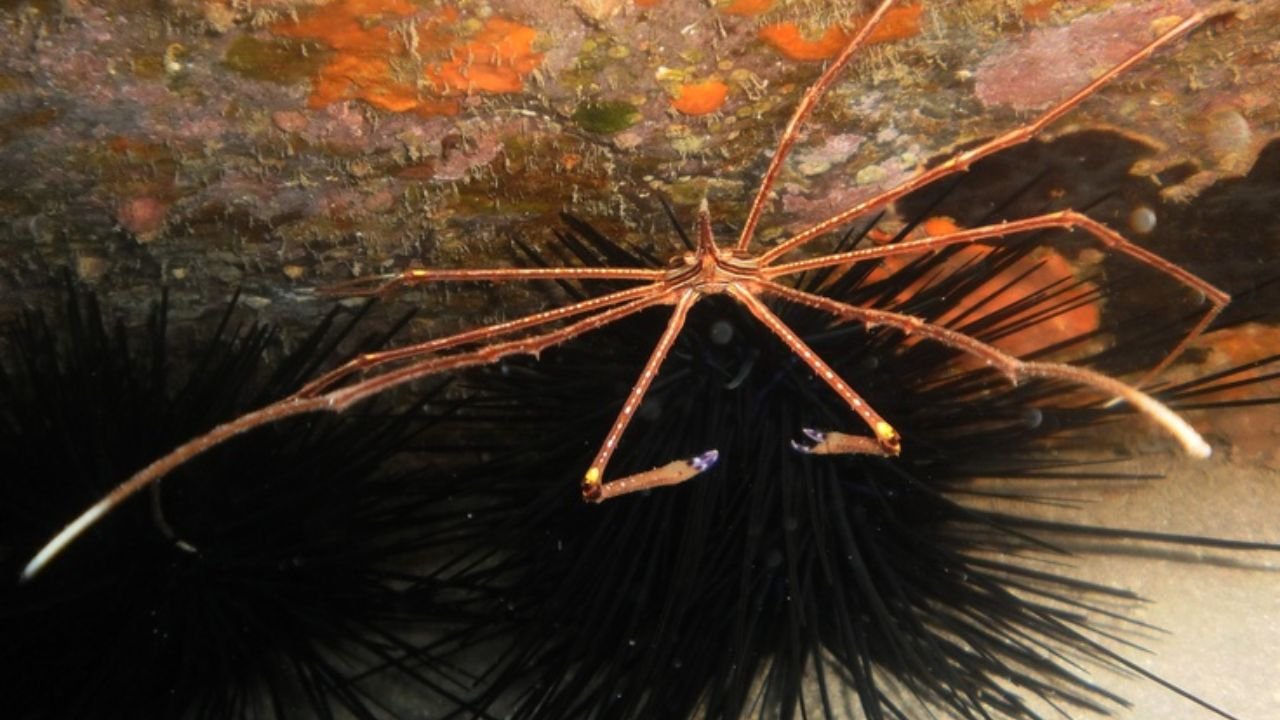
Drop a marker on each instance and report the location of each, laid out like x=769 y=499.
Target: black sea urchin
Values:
x=788 y=585
x=262 y=583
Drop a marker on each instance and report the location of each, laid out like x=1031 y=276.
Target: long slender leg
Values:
x=887 y=438
x=1011 y=366
x=792 y=132
x=160 y=468
x=1067 y=220
x=342 y=398
x=333 y=401
x=594 y=489
x=381 y=285
x=374 y=359
x=961 y=161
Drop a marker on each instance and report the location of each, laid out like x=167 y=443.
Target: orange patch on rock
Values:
x=747 y=7
x=700 y=98
x=1049 y=268
x=940 y=225
x=1038 y=11
x=788 y=39
x=1230 y=348
x=648 y=3
x=1032 y=274
x=1250 y=429
x=396 y=57
x=142 y=216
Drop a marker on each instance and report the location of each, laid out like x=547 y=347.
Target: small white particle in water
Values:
x=721 y=332
x=1142 y=220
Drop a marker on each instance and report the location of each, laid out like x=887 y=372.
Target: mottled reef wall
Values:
x=277 y=146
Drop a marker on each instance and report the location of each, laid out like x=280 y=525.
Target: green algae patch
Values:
x=280 y=61
x=47 y=8
x=606 y=117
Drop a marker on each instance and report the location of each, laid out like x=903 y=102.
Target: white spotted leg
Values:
x=594 y=487
x=1068 y=220
x=1011 y=367
x=886 y=441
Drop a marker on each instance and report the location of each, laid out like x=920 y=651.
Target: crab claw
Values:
x=817 y=437
x=838 y=443
x=673 y=473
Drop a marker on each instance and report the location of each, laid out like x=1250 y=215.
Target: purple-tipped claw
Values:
x=705 y=461
x=816 y=437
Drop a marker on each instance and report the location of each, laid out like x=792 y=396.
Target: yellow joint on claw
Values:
x=418 y=273
x=885 y=432
x=592 y=477
x=888 y=437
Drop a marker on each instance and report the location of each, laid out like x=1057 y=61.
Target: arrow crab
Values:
x=749 y=273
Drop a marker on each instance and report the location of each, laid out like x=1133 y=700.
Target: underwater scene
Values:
x=559 y=359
